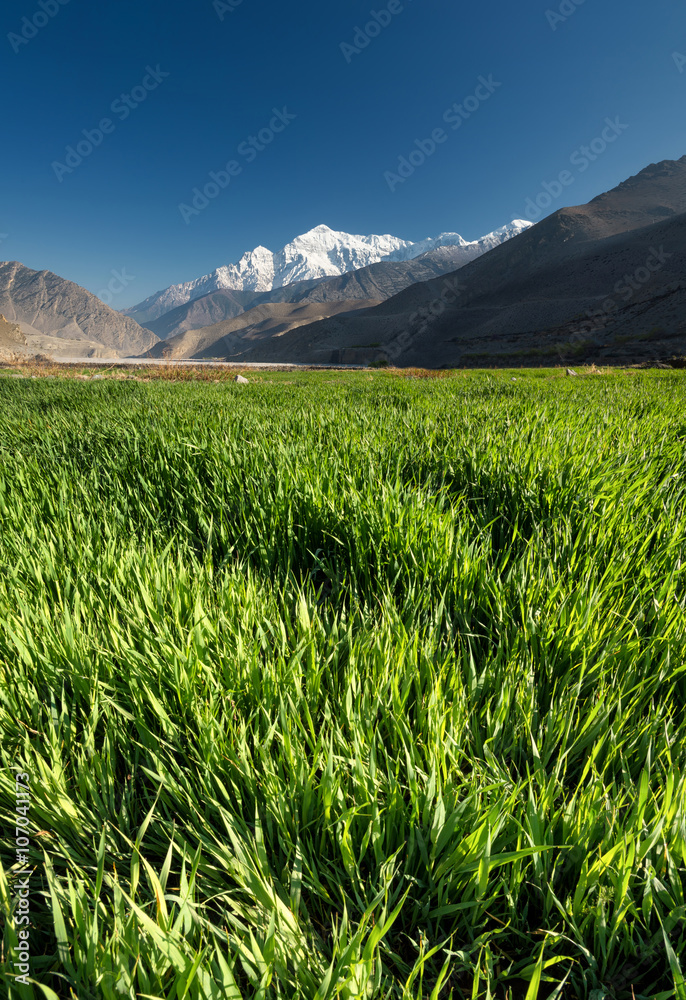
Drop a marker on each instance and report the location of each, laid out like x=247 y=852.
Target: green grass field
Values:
x=341 y=684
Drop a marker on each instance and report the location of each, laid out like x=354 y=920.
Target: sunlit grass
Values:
x=343 y=684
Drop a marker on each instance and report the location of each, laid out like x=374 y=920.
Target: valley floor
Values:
x=345 y=683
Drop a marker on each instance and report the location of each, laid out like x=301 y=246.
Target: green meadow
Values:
x=346 y=685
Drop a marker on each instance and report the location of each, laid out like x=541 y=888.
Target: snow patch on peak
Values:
x=511 y=228
x=412 y=250
x=325 y=253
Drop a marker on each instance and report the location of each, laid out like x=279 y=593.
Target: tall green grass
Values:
x=368 y=689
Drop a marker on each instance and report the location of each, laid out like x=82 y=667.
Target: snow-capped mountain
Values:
x=476 y=247
x=319 y=253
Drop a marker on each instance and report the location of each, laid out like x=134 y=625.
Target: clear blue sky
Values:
x=355 y=116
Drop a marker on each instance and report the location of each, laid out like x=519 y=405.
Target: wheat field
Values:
x=346 y=685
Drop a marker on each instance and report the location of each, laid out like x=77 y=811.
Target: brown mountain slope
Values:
x=387 y=278
x=231 y=338
x=375 y=283
x=204 y=311
x=42 y=303
x=529 y=296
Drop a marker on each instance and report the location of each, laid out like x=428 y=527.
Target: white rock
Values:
x=570 y=371
x=241 y=380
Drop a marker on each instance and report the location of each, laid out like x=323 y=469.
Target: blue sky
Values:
x=184 y=87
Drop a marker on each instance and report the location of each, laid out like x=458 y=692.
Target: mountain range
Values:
x=316 y=255
x=374 y=283
x=603 y=282
x=598 y=282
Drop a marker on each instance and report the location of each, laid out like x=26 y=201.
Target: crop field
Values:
x=345 y=685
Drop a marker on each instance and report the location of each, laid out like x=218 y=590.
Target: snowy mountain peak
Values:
x=319 y=253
